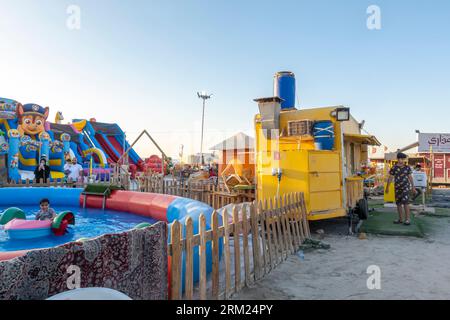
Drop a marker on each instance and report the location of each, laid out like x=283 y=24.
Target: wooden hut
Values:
x=239 y=150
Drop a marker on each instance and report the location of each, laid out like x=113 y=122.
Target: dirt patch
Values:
x=411 y=268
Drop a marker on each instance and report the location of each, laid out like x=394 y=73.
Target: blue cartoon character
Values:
x=32 y=119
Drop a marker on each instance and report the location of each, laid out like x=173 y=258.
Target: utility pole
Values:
x=204 y=96
x=180 y=153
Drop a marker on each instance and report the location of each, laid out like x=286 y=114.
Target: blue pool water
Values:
x=89 y=223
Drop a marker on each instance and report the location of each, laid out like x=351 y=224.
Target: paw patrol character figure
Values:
x=67 y=156
x=32 y=119
x=3 y=144
x=13 y=133
x=15 y=161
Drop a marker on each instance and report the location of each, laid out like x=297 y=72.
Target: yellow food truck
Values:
x=320 y=152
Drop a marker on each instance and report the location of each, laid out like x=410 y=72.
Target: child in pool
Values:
x=46 y=213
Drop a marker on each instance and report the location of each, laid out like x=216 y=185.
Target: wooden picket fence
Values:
x=53 y=183
x=210 y=193
x=272 y=232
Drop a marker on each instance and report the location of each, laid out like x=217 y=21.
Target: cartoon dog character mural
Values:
x=32 y=119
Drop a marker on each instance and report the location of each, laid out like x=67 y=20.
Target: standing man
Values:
x=402 y=174
x=75 y=171
x=67 y=167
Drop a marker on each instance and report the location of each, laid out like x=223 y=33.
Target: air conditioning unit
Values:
x=300 y=128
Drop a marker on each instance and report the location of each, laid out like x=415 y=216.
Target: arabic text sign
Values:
x=437 y=142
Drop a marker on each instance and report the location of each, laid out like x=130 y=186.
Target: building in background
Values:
x=196 y=159
x=431 y=151
x=435 y=147
x=376 y=155
x=239 y=148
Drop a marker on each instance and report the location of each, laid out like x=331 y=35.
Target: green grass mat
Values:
x=439 y=213
x=382 y=223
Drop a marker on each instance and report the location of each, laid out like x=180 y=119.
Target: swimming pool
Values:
x=89 y=223
x=124 y=210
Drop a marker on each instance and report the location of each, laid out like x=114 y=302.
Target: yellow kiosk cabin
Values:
x=320 y=152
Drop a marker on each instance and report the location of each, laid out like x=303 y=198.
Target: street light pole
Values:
x=202 y=95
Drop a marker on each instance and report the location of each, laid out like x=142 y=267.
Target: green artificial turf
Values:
x=439 y=213
x=381 y=222
x=376 y=203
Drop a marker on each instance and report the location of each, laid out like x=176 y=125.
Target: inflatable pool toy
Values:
x=19 y=228
x=142 y=225
x=11 y=213
x=61 y=222
x=28 y=229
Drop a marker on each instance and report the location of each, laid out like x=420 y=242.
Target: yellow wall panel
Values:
x=322 y=201
x=324 y=162
x=325 y=182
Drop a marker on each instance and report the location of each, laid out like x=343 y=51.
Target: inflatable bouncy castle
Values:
x=29 y=139
x=26 y=137
x=154 y=164
x=110 y=138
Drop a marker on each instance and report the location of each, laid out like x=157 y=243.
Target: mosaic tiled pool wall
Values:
x=133 y=262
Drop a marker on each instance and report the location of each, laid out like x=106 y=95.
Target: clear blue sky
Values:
x=140 y=63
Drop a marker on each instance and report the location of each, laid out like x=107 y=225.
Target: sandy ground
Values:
x=411 y=268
